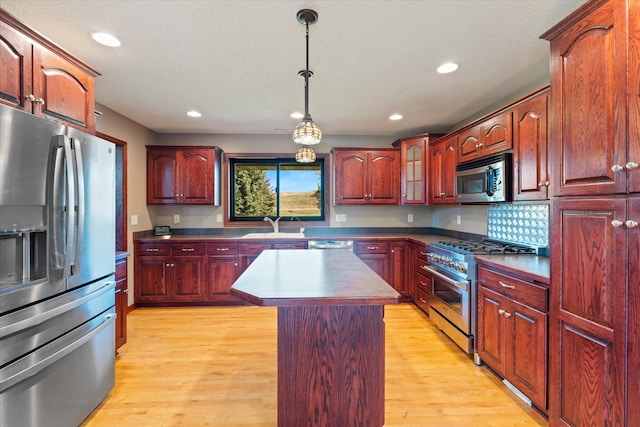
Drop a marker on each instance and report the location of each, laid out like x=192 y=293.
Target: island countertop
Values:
x=289 y=277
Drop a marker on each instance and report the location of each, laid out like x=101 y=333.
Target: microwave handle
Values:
x=490 y=180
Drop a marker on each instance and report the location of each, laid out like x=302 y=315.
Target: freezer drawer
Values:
x=62 y=382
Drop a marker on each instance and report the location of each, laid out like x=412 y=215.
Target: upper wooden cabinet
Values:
x=443 y=157
x=413 y=168
x=40 y=78
x=488 y=137
x=185 y=175
x=591 y=151
x=530 y=146
x=365 y=176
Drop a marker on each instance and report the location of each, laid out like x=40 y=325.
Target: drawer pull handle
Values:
x=188 y=249
x=422 y=253
x=422 y=300
x=504 y=285
x=222 y=249
x=152 y=250
x=422 y=283
x=371 y=248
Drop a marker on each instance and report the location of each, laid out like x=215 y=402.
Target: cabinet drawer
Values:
x=188 y=249
x=421 y=253
x=372 y=248
x=222 y=248
x=253 y=248
x=154 y=249
x=422 y=300
x=421 y=266
x=514 y=288
x=423 y=283
x=121 y=270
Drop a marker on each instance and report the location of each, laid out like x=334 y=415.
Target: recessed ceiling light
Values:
x=296 y=115
x=447 y=67
x=194 y=113
x=395 y=117
x=106 y=39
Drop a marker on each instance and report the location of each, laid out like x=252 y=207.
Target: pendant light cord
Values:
x=306 y=79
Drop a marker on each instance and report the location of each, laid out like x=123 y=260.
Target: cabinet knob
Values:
x=40 y=101
x=507 y=314
x=177 y=195
x=616 y=223
x=631 y=223
x=501 y=312
x=167 y=265
x=30 y=98
x=617 y=168
x=126 y=291
x=631 y=165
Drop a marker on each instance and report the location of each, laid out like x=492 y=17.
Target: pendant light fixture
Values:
x=306 y=132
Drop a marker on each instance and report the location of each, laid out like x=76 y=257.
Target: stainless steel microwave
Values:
x=485 y=180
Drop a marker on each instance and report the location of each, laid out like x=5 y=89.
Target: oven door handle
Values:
x=463 y=285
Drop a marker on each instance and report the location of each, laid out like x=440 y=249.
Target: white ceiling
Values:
x=237 y=61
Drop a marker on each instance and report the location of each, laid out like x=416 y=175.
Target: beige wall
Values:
x=473 y=218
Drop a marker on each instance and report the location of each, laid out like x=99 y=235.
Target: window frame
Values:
x=229 y=182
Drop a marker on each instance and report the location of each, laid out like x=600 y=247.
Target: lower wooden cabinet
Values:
x=376 y=255
x=512 y=331
x=422 y=280
x=122 y=303
x=174 y=273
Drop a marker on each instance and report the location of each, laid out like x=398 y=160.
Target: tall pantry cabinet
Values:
x=595 y=250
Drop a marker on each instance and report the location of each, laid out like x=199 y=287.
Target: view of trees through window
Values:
x=280 y=188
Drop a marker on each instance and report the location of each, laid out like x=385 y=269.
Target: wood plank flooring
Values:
x=216 y=366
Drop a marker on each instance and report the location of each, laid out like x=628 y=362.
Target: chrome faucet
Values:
x=274 y=224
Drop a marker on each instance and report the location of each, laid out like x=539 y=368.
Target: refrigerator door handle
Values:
x=79 y=209
x=70 y=209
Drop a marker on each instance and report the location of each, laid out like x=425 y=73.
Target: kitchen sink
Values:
x=272 y=235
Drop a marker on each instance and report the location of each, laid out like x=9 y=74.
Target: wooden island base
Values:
x=330 y=334
x=331 y=366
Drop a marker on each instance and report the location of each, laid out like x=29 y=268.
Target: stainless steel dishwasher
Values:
x=331 y=244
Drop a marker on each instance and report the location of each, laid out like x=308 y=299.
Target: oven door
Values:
x=451 y=299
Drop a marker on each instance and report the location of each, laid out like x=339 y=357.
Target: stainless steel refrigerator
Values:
x=57 y=264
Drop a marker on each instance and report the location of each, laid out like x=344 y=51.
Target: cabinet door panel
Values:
x=449 y=170
x=152 y=281
x=634 y=314
x=15 y=72
x=351 y=178
x=469 y=147
x=378 y=263
x=223 y=272
x=188 y=277
x=593 y=288
x=491 y=329
x=384 y=185
x=413 y=171
x=588 y=74
x=67 y=91
x=162 y=176
x=197 y=183
x=587 y=309
x=633 y=92
x=528 y=364
x=530 y=150
x=496 y=134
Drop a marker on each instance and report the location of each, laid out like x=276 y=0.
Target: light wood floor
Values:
x=216 y=366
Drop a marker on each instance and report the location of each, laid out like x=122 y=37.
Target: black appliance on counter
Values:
x=57 y=266
x=452 y=270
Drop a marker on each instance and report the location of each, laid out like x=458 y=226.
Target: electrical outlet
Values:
x=219 y=218
x=176 y=219
x=134 y=219
x=410 y=218
x=458 y=219
x=341 y=217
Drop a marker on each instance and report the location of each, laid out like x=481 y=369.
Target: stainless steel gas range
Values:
x=452 y=271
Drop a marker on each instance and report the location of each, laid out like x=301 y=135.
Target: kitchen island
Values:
x=330 y=334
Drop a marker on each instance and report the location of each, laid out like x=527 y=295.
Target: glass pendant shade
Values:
x=305 y=155
x=307 y=133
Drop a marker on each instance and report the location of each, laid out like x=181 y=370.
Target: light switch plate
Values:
x=341 y=217
x=409 y=217
x=134 y=219
x=176 y=219
x=219 y=218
